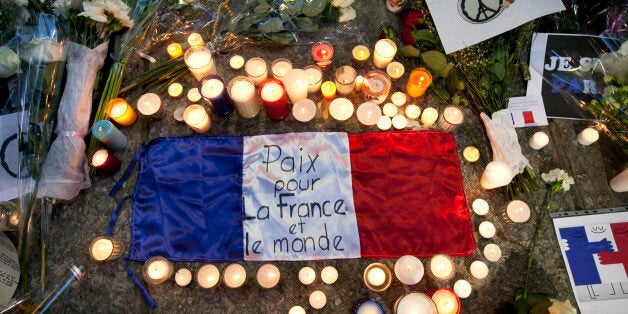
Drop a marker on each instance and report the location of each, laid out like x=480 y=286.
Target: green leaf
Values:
x=283 y=37
x=306 y=24
x=313 y=8
x=536 y=298
x=441 y=94
x=409 y=51
x=499 y=70
x=424 y=35
x=290 y=8
x=271 y=25
x=435 y=60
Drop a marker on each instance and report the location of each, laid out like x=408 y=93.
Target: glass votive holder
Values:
x=315 y=78
x=345 y=80
x=451 y=118
x=418 y=82
x=120 y=111
x=376 y=86
x=104 y=161
x=415 y=302
x=104 y=249
x=199 y=61
x=256 y=70
x=384 y=52
x=441 y=267
x=279 y=67
x=242 y=92
x=377 y=277
x=197 y=118
x=361 y=55
x=157 y=269
x=395 y=70
x=322 y=54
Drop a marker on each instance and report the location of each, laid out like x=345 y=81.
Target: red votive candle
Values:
x=322 y=53
x=104 y=161
x=273 y=95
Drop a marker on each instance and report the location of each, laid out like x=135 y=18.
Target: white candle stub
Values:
x=462 y=288
x=268 y=276
x=384 y=123
x=329 y=275
x=492 y=252
x=307 y=275
x=620 y=182
x=413 y=111
x=429 y=116
x=318 y=299
x=480 y=207
x=304 y=110
x=183 y=277
x=194 y=95
x=376 y=276
x=487 y=229
x=409 y=270
x=369 y=113
x=341 y=109
x=518 y=211
x=389 y=109
x=479 y=270
x=398 y=98
x=207 y=276
x=538 y=140
x=149 y=104
x=588 y=136
x=296 y=310
x=441 y=266
x=234 y=275
x=399 y=122
x=236 y=62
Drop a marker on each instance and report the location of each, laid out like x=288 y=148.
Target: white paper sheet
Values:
x=9 y=157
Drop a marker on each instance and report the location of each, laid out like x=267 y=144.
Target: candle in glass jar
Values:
x=399 y=122
x=345 y=80
x=194 y=95
x=273 y=95
x=409 y=270
x=496 y=174
x=384 y=52
x=412 y=111
x=398 y=98
x=359 y=83
x=446 y=301
x=415 y=302
x=395 y=70
x=280 y=67
x=207 y=276
x=360 y=54
x=242 y=91
x=195 y=39
x=442 y=267
x=328 y=89
x=368 y=113
x=256 y=70
x=389 y=109
x=304 y=110
x=296 y=310
x=341 y=109
x=121 y=112
x=109 y=135
x=376 y=86
x=236 y=62
x=418 y=82
x=471 y=154
x=538 y=140
x=315 y=78
x=234 y=275
x=369 y=306
x=175 y=90
x=487 y=229
x=174 y=50
x=104 y=161
x=149 y=105
x=462 y=288
x=322 y=53
x=518 y=211
x=377 y=277
x=479 y=270
x=183 y=277
x=619 y=183
x=104 y=249
x=384 y=123
x=480 y=207
x=199 y=61
x=318 y=299
x=197 y=118
x=296 y=82
x=429 y=116
x=157 y=269
x=268 y=276
x=588 y=136
x=329 y=274
x=213 y=90
x=450 y=119
x=307 y=275
x=492 y=252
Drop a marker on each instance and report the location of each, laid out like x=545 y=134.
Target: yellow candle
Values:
x=471 y=154
x=120 y=112
x=236 y=62
x=360 y=53
x=105 y=249
x=329 y=90
x=195 y=39
x=175 y=90
x=197 y=118
x=174 y=50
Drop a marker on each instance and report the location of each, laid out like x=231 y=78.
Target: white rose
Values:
x=43 y=50
x=9 y=62
x=346 y=14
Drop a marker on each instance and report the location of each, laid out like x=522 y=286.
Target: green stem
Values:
x=535 y=239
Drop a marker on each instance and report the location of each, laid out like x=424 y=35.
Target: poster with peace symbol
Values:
x=463 y=23
x=8 y=156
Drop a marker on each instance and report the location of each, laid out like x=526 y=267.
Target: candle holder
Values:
x=207 y=276
x=296 y=82
x=369 y=113
x=212 y=89
x=409 y=270
x=315 y=78
x=361 y=54
x=369 y=306
x=103 y=249
x=256 y=70
x=377 y=277
x=120 y=111
x=304 y=110
x=441 y=267
x=104 y=161
x=174 y=50
x=415 y=302
x=150 y=105
x=446 y=300
x=236 y=62
x=273 y=95
x=395 y=70
x=197 y=118
x=341 y=109
x=109 y=135
x=418 y=82
x=450 y=119
x=157 y=269
x=376 y=86
x=199 y=61
x=242 y=92
x=322 y=53
x=345 y=80
x=384 y=52
x=279 y=67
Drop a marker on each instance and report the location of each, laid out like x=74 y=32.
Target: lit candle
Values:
x=329 y=274
x=360 y=54
x=395 y=70
x=471 y=154
x=496 y=174
x=149 y=105
x=450 y=119
x=412 y=111
x=368 y=306
x=296 y=82
x=195 y=39
x=256 y=70
x=588 y=136
x=462 y=288
x=318 y=299
x=415 y=302
x=307 y=275
x=384 y=52
x=104 y=161
x=359 y=83
x=480 y=207
x=369 y=113
x=409 y=270
x=341 y=109
x=446 y=301
x=280 y=67
x=273 y=95
x=296 y=310
x=183 y=277
x=236 y=62
x=442 y=267
x=377 y=277
x=304 y=110
x=175 y=90
x=213 y=90
x=322 y=53
x=384 y=123
x=199 y=61
x=157 y=269
x=492 y=252
x=109 y=135
x=174 y=50
x=14 y=219
x=178 y=113
x=518 y=211
x=538 y=140
x=234 y=275
x=619 y=183
x=120 y=112
x=315 y=78
x=429 y=116
x=268 y=276
x=345 y=80
x=479 y=270
x=398 y=98
x=396 y=6
x=399 y=122
x=242 y=91
x=328 y=89
x=418 y=82
x=376 y=86
x=389 y=109
x=487 y=229
x=207 y=276
x=197 y=118
x=194 y=95
x=104 y=249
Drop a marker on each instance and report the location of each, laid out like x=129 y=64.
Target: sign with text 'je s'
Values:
x=298 y=198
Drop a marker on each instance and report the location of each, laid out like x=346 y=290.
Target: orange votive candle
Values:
x=418 y=82
x=121 y=112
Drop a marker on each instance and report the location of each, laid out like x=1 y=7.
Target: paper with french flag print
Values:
x=300 y=196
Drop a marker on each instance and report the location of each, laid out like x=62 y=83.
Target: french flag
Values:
x=299 y=196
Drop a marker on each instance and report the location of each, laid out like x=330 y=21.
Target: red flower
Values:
x=406 y=35
x=412 y=17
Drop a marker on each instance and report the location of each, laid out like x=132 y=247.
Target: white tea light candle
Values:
x=442 y=267
x=195 y=39
x=538 y=140
x=280 y=67
x=377 y=277
x=492 y=252
x=479 y=270
x=471 y=154
x=256 y=70
x=369 y=113
x=194 y=95
x=183 y=277
x=409 y=270
x=234 y=275
x=236 y=62
x=318 y=299
x=487 y=229
x=149 y=105
x=307 y=275
x=304 y=110
x=341 y=109
x=268 y=276
x=384 y=123
x=207 y=276
x=399 y=122
x=329 y=275
x=518 y=211
x=157 y=269
x=446 y=301
x=412 y=111
x=389 y=109
x=429 y=116
x=399 y=98
x=104 y=249
x=588 y=136
x=395 y=70
x=175 y=90
x=480 y=207
x=297 y=309
x=462 y=288
x=178 y=113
